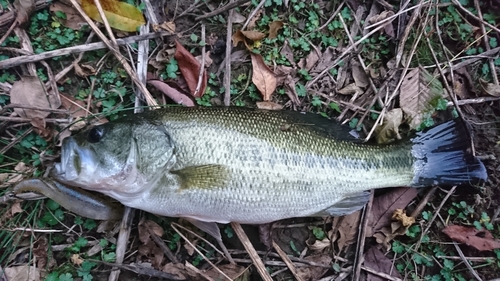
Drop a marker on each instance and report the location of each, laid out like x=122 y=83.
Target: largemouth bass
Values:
x=254 y=166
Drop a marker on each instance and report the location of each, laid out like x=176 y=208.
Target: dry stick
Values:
x=229 y=6
x=471 y=60
x=405 y=69
x=200 y=237
x=391 y=18
x=467 y=264
x=331 y=17
x=199 y=252
x=190 y=266
x=287 y=261
x=406 y=33
x=486 y=43
x=118 y=55
x=121 y=242
x=162 y=246
x=473 y=101
x=251 y=251
x=202 y=66
x=423 y=202
x=75 y=49
x=294 y=259
x=252 y=14
x=141 y=270
x=227 y=72
x=480 y=259
x=104 y=19
x=358 y=260
x=381 y=274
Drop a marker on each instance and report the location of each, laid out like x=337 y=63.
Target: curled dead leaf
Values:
x=190 y=69
x=489 y=88
x=29 y=91
x=350 y=89
x=274 y=28
x=263 y=78
x=176 y=95
x=400 y=215
x=247 y=37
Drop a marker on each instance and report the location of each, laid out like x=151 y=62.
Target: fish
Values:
x=252 y=166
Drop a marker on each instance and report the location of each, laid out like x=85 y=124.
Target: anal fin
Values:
x=350 y=204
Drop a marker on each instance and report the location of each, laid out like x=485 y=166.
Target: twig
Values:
x=252 y=14
x=75 y=49
x=199 y=237
x=251 y=251
x=227 y=72
x=421 y=205
x=222 y=9
x=202 y=66
x=467 y=264
x=331 y=17
x=121 y=242
x=358 y=260
x=294 y=259
x=479 y=259
x=162 y=245
x=137 y=268
x=287 y=261
x=381 y=274
x=27 y=120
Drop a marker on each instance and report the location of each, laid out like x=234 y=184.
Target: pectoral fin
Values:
x=349 y=204
x=203 y=177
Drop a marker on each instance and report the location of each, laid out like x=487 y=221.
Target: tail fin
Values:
x=443 y=156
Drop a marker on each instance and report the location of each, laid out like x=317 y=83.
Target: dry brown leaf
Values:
x=489 y=88
x=377 y=261
x=359 y=75
x=350 y=89
x=237 y=17
x=73 y=19
x=84 y=70
x=40 y=127
x=76 y=109
x=208 y=59
x=388 y=28
x=177 y=269
x=247 y=37
x=235 y=272
x=389 y=131
x=274 y=28
x=263 y=78
x=22 y=273
x=385 y=205
x=311 y=59
x=348 y=230
x=268 y=105
x=167 y=26
x=318 y=245
x=481 y=240
x=176 y=95
x=30 y=92
x=314 y=272
x=418 y=90
x=190 y=69
x=287 y=52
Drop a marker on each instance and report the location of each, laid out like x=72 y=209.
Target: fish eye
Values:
x=95 y=134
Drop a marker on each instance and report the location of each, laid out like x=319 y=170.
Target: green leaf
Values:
x=318 y=233
x=397 y=247
x=301 y=90
x=194 y=37
x=66 y=277
x=109 y=257
x=335 y=107
x=89 y=224
x=52 y=205
x=493 y=42
x=81 y=242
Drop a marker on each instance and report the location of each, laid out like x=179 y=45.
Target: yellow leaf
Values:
x=120 y=15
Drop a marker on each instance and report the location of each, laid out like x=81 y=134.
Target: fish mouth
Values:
x=70 y=166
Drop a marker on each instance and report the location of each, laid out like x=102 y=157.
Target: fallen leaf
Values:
x=22 y=273
x=237 y=17
x=251 y=24
x=389 y=131
x=376 y=260
x=40 y=127
x=481 y=240
x=359 y=75
x=263 y=78
x=418 y=89
x=489 y=88
x=77 y=111
x=268 y=105
x=247 y=37
x=387 y=233
x=120 y=15
x=167 y=26
x=234 y=271
x=30 y=92
x=315 y=272
x=190 y=69
x=274 y=27
x=73 y=19
x=318 y=245
x=309 y=61
x=348 y=230
x=76 y=259
x=176 y=95
x=287 y=52
x=16 y=208
x=208 y=59
x=388 y=28
x=84 y=70
x=350 y=89
x=385 y=205
x=177 y=269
